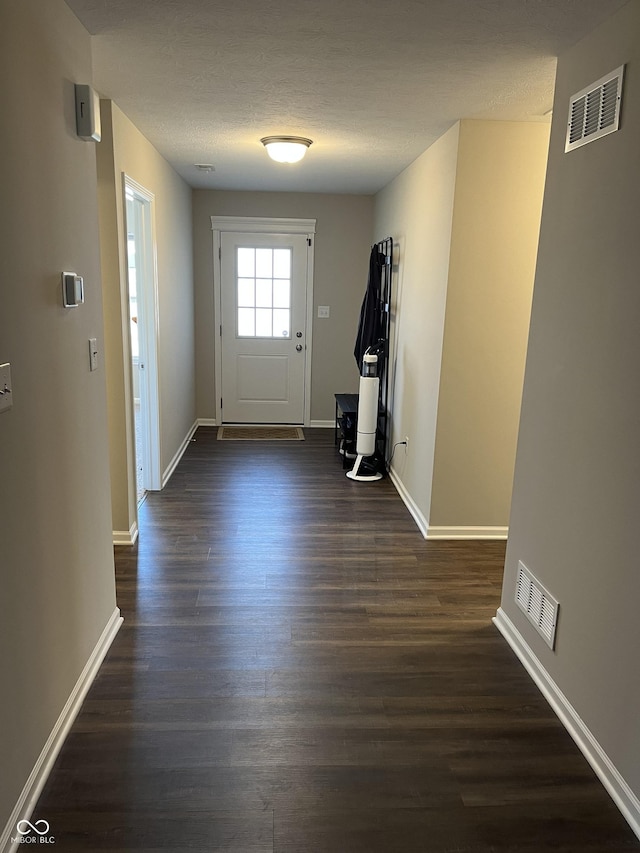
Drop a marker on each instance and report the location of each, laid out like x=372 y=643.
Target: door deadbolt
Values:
x=298 y=334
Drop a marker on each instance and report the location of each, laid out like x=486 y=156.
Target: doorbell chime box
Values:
x=88 y=113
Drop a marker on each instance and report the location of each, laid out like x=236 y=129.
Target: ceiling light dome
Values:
x=286 y=149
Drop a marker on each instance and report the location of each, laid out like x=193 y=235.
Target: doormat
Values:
x=260 y=434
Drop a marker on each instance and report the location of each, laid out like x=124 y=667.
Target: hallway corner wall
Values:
x=125 y=150
x=416 y=209
x=465 y=217
x=496 y=223
x=57 y=570
x=574 y=515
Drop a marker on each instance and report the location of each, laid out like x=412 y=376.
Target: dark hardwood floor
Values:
x=300 y=671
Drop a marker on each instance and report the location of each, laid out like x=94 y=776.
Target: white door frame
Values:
x=261 y=225
x=148 y=293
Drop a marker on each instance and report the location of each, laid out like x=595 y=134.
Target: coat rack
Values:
x=374 y=330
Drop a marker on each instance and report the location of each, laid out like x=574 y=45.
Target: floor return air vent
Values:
x=540 y=607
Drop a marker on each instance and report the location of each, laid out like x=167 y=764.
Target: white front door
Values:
x=264 y=327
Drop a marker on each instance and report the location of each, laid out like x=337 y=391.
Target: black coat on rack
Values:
x=372 y=326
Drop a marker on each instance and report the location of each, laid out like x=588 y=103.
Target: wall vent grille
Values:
x=540 y=607
x=595 y=111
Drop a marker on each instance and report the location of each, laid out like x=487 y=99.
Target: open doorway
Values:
x=142 y=334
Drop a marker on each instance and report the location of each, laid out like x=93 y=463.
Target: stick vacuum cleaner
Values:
x=367 y=465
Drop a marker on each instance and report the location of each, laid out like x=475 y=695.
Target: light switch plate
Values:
x=324 y=311
x=6 y=392
x=93 y=354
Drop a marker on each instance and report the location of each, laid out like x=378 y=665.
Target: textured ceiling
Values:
x=372 y=83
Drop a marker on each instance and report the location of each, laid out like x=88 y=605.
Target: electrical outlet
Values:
x=406 y=443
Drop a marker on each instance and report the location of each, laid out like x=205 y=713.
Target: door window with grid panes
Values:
x=263 y=292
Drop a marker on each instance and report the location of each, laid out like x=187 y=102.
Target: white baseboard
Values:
x=207 y=422
x=434 y=532
x=617 y=787
x=430 y=531
x=43 y=766
x=418 y=517
x=129 y=537
x=126 y=537
x=171 y=467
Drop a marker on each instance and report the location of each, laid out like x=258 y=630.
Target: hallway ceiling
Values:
x=371 y=82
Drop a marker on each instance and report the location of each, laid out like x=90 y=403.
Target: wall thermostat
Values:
x=72 y=290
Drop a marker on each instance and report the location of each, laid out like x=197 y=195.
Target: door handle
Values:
x=299 y=347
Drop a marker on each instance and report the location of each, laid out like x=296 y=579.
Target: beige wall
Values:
x=416 y=209
x=342 y=245
x=56 y=557
x=574 y=517
x=125 y=150
x=465 y=217
x=496 y=222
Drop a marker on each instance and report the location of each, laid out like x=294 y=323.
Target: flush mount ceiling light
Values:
x=286 y=149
